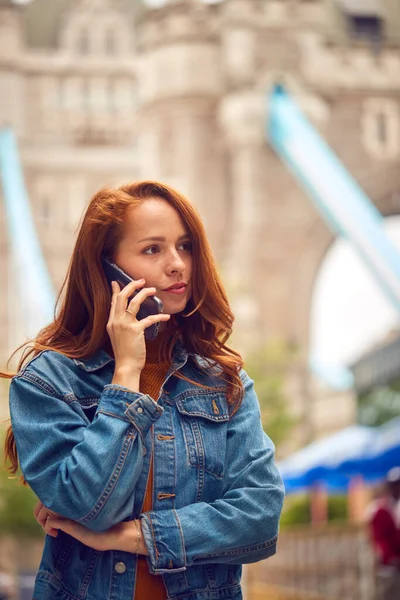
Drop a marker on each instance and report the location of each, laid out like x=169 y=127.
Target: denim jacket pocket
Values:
x=204 y=419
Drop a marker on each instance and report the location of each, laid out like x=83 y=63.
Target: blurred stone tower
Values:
x=106 y=91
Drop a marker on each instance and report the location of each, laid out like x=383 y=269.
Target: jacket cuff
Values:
x=139 y=409
x=163 y=537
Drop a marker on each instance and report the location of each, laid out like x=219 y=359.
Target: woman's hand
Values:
x=125 y=331
x=120 y=537
x=123 y=536
x=42 y=515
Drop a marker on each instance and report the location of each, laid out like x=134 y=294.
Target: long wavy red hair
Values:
x=79 y=326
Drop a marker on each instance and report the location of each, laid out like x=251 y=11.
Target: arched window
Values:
x=381 y=127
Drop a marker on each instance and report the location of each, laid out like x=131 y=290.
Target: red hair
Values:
x=79 y=328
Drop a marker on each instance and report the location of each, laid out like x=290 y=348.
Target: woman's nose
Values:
x=175 y=263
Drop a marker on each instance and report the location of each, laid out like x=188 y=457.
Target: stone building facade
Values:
x=106 y=91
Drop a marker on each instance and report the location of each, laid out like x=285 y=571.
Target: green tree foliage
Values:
x=297 y=510
x=17 y=502
x=268 y=367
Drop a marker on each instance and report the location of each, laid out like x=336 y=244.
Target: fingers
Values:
x=150 y=320
x=42 y=515
x=79 y=532
x=121 y=297
x=37 y=509
x=115 y=290
x=49 y=529
x=134 y=304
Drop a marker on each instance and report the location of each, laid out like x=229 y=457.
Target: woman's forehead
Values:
x=153 y=217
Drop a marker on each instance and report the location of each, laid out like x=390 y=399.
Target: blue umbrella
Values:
x=355 y=450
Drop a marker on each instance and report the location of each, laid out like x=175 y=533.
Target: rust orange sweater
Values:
x=151 y=379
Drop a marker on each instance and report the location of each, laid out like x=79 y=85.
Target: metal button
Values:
x=120 y=567
x=140 y=409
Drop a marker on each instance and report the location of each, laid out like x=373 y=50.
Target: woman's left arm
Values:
x=239 y=527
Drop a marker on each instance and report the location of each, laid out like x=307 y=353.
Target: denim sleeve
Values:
x=242 y=525
x=84 y=471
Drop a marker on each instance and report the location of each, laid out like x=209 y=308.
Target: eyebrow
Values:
x=155 y=238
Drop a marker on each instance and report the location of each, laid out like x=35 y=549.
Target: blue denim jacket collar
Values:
x=101 y=358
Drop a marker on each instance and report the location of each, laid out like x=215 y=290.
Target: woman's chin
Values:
x=173 y=310
x=174 y=307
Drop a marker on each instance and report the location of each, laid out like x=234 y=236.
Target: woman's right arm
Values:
x=88 y=472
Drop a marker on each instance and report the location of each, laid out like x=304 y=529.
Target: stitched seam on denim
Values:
x=223 y=418
x=242 y=550
x=110 y=414
x=90 y=368
x=181 y=537
x=154 y=410
x=156 y=552
x=64 y=555
x=186 y=595
x=175 y=457
x=140 y=432
x=86 y=399
x=114 y=389
x=89 y=573
x=220 y=478
x=201 y=392
x=185 y=427
x=40 y=383
x=200 y=458
x=46 y=577
x=147 y=481
x=112 y=481
x=31 y=361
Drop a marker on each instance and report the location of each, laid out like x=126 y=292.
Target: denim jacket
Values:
x=84 y=446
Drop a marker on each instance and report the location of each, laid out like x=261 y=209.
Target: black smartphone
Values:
x=150 y=305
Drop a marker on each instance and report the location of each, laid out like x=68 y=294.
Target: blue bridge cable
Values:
x=335 y=194
x=36 y=294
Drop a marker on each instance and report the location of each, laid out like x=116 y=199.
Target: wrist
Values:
x=130 y=541
x=125 y=377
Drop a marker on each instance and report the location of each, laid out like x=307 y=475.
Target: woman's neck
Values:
x=155 y=349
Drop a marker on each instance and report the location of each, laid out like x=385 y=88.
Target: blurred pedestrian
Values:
x=384 y=521
x=151 y=450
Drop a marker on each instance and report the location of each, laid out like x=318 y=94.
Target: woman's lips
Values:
x=179 y=291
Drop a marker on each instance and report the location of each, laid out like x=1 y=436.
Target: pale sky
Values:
x=350 y=313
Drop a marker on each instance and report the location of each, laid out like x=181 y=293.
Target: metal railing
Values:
x=321 y=563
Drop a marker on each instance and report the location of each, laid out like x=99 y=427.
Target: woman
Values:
x=154 y=475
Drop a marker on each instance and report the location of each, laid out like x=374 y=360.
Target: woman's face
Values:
x=156 y=246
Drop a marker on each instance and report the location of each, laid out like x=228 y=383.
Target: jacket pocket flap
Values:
x=208 y=406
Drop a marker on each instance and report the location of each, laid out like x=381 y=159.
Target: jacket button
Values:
x=120 y=567
x=140 y=409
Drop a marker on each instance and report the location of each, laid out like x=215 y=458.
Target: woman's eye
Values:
x=186 y=246
x=151 y=250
